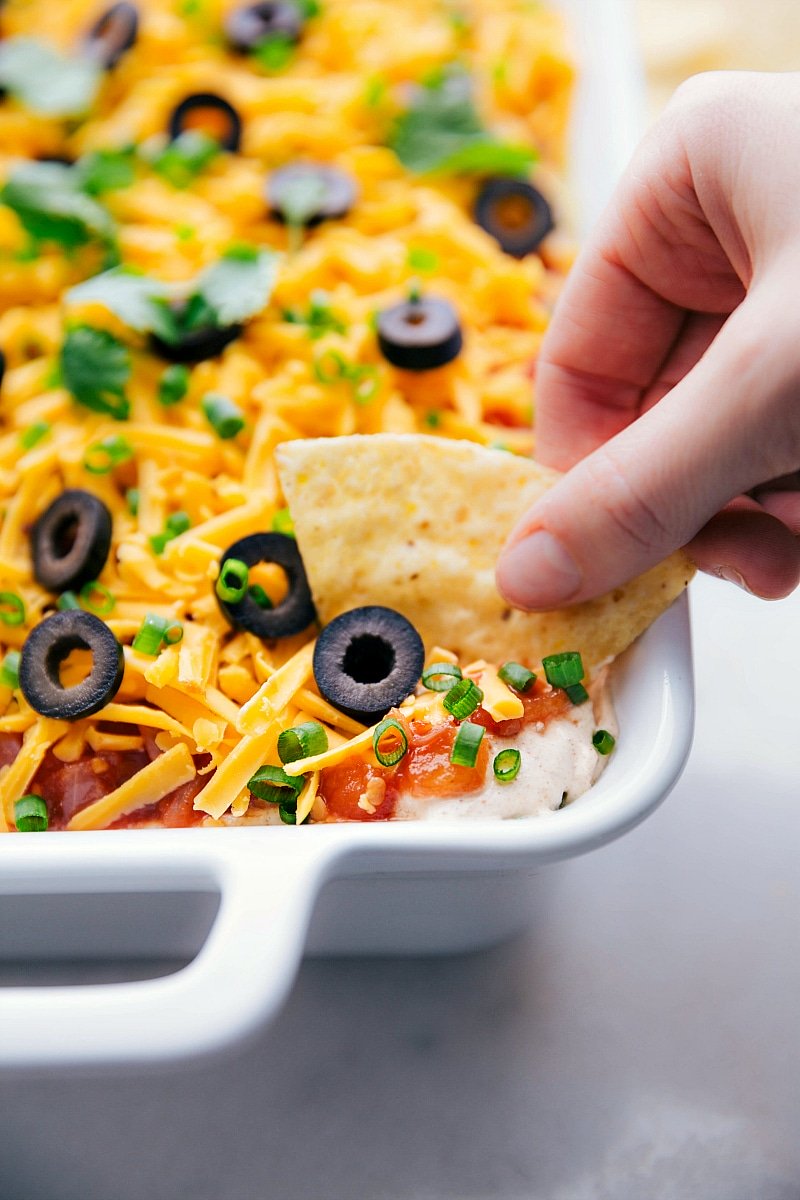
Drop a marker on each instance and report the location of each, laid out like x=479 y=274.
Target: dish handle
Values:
x=234 y=985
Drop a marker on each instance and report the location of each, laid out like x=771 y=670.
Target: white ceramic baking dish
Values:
x=268 y=895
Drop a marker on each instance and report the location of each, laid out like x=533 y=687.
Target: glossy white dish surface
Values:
x=443 y=886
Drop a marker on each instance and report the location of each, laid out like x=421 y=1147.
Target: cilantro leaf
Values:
x=239 y=285
x=274 y=53
x=46 y=81
x=234 y=288
x=136 y=299
x=95 y=366
x=106 y=170
x=442 y=131
x=182 y=160
x=49 y=202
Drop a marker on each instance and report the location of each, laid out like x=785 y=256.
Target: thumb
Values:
x=723 y=429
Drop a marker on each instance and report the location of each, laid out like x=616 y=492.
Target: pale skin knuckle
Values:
x=625 y=505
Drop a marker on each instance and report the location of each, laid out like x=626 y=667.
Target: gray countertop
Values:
x=640 y=1042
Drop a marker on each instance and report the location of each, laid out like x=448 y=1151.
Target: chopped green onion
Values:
x=12 y=608
x=274 y=53
x=173 y=633
x=273 y=785
x=506 y=765
x=9 y=670
x=67 y=602
x=30 y=814
x=441 y=676
x=132 y=501
x=563 y=670
x=178 y=522
x=173 y=384
x=259 y=596
x=103 y=456
x=517 y=677
x=288 y=812
x=422 y=259
x=225 y=417
x=97 y=598
x=302 y=741
x=331 y=366
x=282 y=522
x=433 y=419
x=577 y=693
x=467 y=744
x=603 y=741
x=31 y=436
x=175 y=524
x=150 y=637
x=366 y=382
x=463 y=698
x=390 y=731
x=231 y=585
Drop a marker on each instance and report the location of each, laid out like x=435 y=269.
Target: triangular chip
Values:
x=416 y=523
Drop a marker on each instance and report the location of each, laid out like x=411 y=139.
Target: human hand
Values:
x=671 y=371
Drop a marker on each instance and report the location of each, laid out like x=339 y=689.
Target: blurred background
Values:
x=681 y=37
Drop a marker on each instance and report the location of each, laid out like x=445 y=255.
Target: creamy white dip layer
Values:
x=556 y=758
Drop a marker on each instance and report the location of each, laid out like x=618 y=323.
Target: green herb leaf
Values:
x=240 y=284
x=106 y=170
x=180 y=162
x=95 y=367
x=46 y=81
x=136 y=299
x=51 y=206
x=319 y=317
x=307 y=8
x=441 y=131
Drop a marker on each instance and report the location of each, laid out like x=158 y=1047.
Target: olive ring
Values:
x=45 y=649
x=293 y=614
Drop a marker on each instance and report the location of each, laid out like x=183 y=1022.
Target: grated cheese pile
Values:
x=216 y=702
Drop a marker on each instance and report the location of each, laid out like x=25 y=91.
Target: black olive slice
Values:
x=317 y=191
x=2 y=366
x=249 y=26
x=367 y=661
x=514 y=213
x=217 y=106
x=112 y=35
x=45 y=649
x=295 y=613
x=195 y=345
x=420 y=333
x=70 y=541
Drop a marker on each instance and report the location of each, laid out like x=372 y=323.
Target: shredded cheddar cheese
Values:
x=212 y=705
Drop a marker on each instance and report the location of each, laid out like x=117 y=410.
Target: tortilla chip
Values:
x=416 y=523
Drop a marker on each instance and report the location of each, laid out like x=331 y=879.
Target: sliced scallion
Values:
x=467 y=744
x=223 y=415
x=9 y=670
x=132 y=501
x=150 y=637
x=577 y=693
x=563 y=670
x=175 y=524
x=603 y=741
x=274 y=786
x=231 y=585
x=463 y=698
x=288 y=812
x=506 y=765
x=30 y=814
x=97 y=598
x=67 y=602
x=517 y=677
x=103 y=456
x=173 y=384
x=302 y=741
x=31 y=436
x=259 y=596
x=173 y=633
x=389 y=742
x=12 y=608
x=441 y=676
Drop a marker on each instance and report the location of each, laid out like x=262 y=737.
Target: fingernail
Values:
x=538 y=572
x=733 y=576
